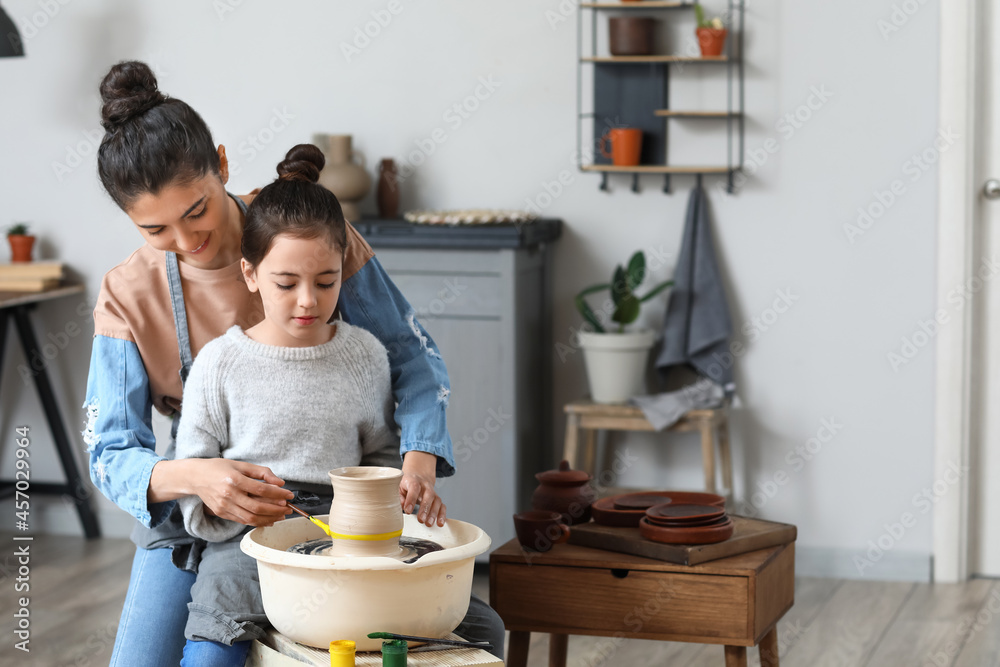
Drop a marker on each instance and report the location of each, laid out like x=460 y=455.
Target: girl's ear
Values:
x=249 y=275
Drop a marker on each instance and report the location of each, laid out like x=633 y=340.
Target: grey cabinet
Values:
x=489 y=312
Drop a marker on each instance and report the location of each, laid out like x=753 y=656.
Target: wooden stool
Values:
x=589 y=417
x=277 y=650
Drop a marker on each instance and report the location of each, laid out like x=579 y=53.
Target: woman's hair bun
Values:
x=302 y=163
x=128 y=90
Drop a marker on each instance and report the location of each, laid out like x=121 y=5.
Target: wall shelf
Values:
x=634 y=91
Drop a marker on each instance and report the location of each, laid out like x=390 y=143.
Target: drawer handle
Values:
x=619 y=574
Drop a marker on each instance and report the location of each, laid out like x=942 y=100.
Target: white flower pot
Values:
x=616 y=364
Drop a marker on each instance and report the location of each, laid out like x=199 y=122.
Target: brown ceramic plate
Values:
x=639 y=501
x=688 y=524
x=695 y=498
x=679 y=512
x=687 y=535
x=604 y=513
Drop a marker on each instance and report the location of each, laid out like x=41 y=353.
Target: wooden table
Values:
x=18 y=306
x=574 y=590
x=586 y=418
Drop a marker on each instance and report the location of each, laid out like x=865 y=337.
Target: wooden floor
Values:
x=78 y=587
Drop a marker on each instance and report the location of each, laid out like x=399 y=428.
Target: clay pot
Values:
x=341 y=175
x=365 y=515
x=565 y=491
x=20 y=247
x=711 y=40
x=631 y=36
x=387 y=194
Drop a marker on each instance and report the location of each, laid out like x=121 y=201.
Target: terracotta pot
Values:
x=565 y=491
x=711 y=40
x=388 y=190
x=20 y=247
x=365 y=512
x=341 y=175
x=631 y=36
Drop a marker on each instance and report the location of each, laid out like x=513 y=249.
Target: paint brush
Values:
x=431 y=640
x=323 y=526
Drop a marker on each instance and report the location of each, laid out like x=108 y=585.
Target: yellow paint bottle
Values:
x=342 y=653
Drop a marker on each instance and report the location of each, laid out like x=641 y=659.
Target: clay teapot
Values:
x=565 y=491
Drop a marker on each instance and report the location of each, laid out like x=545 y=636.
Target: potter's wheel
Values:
x=410 y=548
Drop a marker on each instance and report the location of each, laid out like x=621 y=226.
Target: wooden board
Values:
x=748 y=535
x=277 y=650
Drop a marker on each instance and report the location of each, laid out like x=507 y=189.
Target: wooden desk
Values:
x=574 y=590
x=18 y=306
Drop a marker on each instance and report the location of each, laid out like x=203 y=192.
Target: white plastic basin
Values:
x=318 y=599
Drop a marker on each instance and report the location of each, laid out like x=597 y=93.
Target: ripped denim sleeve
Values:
x=117 y=429
x=370 y=300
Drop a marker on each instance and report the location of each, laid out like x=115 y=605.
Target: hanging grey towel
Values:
x=696 y=328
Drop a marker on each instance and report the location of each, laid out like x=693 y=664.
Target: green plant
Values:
x=623 y=283
x=19 y=229
x=699 y=15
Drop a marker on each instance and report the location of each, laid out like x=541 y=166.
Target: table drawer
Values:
x=451 y=294
x=639 y=603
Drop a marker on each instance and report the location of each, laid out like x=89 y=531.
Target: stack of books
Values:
x=30 y=276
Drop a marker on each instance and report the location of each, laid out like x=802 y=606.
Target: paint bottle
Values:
x=394 y=653
x=342 y=653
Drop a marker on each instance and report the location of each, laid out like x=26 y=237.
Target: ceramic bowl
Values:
x=318 y=599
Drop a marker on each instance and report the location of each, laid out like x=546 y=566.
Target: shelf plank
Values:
x=655 y=169
x=655 y=59
x=696 y=114
x=648 y=4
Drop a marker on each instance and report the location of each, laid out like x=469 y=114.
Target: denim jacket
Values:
x=119 y=434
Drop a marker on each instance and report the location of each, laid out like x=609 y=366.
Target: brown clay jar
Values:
x=631 y=36
x=388 y=190
x=565 y=491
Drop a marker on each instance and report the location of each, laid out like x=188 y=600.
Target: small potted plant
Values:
x=711 y=33
x=616 y=361
x=20 y=242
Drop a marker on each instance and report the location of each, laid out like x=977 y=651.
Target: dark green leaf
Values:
x=620 y=287
x=627 y=310
x=656 y=290
x=636 y=270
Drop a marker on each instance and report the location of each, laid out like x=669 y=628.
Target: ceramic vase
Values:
x=20 y=247
x=344 y=173
x=565 y=491
x=388 y=190
x=365 y=515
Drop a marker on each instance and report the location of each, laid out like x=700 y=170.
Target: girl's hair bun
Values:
x=302 y=163
x=127 y=91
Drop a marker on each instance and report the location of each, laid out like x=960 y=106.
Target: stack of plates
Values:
x=629 y=509
x=678 y=523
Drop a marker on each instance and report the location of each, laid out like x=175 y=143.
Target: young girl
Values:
x=298 y=393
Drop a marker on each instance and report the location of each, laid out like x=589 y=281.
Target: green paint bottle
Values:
x=394 y=653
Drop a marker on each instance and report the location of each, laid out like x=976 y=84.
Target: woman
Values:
x=155 y=312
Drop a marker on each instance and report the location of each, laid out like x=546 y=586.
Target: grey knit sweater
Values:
x=300 y=411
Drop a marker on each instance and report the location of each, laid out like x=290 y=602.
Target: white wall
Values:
x=243 y=66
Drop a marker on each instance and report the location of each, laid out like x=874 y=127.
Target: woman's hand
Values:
x=233 y=490
x=417 y=487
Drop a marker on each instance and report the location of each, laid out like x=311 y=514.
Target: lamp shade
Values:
x=10 y=39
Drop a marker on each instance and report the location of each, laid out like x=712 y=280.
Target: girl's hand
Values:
x=417 y=486
x=238 y=491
